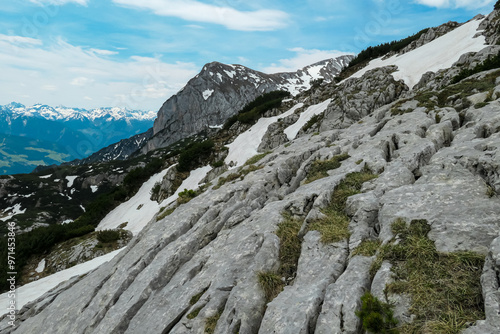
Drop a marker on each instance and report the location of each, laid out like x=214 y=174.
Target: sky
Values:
x=138 y=53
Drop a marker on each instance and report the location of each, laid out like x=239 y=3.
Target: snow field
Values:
x=439 y=54
x=36 y=289
x=292 y=131
x=140 y=209
x=245 y=145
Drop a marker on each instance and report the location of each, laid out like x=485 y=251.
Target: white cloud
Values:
x=191 y=10
x=82 y=81
x=59 y=2
x=20 y=40
x=471 y=4
x=72 y=74
x=302 y=58
x=104 y=52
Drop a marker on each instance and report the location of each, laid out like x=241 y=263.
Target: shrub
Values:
x=376 y=317
x=186 y=195
x=195 y=153
x=489 y=64
x=155 y=191
x=255 y=109
x=107 y=236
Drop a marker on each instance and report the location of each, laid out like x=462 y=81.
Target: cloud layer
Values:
x=455 y=3
x=190 y=10
x=79 y=77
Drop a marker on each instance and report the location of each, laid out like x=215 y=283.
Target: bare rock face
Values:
x=219 y=91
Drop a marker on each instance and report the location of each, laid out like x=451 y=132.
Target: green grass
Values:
x=367 y=248
x=289 y=253
x=271 y=284
x=376 y=316
x=445 y=288
x=194 y=313
x=334 y=227
x=164 y=213
x=290 y=245
x=197 y=297
x=256 y=158
x=211 y=322
x=319 y=168
x=244 y=171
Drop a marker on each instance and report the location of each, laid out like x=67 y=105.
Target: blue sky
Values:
x=137 y=53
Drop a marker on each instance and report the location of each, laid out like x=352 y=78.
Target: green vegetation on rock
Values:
x=445 y=288
x=319 y=168
x=334 y=226
x=376 y=316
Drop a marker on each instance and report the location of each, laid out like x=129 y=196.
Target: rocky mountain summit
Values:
x=364 y=190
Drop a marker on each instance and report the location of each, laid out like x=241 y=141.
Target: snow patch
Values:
x=40 y=267
x=45 y=176
x=230 y=74
x=71 y=179
x=94 y=188
x=207 y=93
x=292 y=131
x=67 y=221
x=192 y=182
x=34 y=290
x=14 y=210
x=439 y=54
x=245 y=145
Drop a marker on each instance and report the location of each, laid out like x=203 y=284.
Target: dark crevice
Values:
x=378 y=128
x=176 y=320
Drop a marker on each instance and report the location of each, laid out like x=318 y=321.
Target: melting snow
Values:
x=34 y=290
x=41 y=266
x=192 y=182
x=71 y=179
x=439 y=54
x=207 y=93
x=245 y=145
x=138 y=218
x=15 y=210
x=314 y=71
x=292 y=131
x=230 y=74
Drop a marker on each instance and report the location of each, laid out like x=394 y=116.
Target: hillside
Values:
x=369 y=204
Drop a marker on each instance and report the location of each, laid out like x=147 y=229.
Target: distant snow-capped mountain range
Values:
x=62 y=113
x=45 y=135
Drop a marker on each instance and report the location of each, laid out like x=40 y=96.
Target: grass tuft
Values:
x=211 y=322
x=445 y=288
x=335 y=226
x=367 y=248
x=256 y=158
x=319 y=168
x=271 y=284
